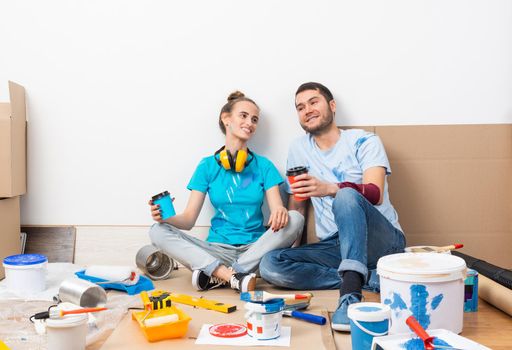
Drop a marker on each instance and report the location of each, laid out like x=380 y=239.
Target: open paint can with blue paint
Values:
x=428 y=286
x=367 y=320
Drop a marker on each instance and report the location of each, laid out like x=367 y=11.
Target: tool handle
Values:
x=309 y=317
x=83 y=311
x=418 y=329
x=450 y=247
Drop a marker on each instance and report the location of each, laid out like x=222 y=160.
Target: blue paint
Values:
x=368 y=308
x=418 y=304
x=436 y=301
x=417 y=344
x=418 y=307
x=397 y=304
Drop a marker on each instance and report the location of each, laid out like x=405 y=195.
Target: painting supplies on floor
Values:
x=263 y=296
x=291 y=307
x=160 y=319
x=113 y=274
x=54 y=312
x=434 y=249
x=367 y=320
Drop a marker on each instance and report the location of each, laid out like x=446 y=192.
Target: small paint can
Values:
x=83 y=293
x=264 y=319
x=154 y=262
x=67 y=333
x=165 y=202
x=368 y=320
x=428 y=286
x=26 y=273
x=471 y=291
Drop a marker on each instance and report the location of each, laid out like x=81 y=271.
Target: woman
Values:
x=236 y=181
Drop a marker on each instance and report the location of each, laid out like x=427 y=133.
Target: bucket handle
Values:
x=375 y=334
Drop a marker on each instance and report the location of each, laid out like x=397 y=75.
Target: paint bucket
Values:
x=154 y=262
x=264 y=319
x=165 y=202
x=367 y=320
x=67 y=333
x=81 y=292
x=428 y=286
x=26 y=272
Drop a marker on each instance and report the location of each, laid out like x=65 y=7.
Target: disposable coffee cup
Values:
x=296 y=171
x=165 y=202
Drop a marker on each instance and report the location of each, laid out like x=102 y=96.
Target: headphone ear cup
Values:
x=225 y=159
x=240 y=159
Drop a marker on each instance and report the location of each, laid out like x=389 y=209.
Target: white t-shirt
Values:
x=355 y=151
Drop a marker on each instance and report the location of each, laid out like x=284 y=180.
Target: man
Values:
x=346 y=183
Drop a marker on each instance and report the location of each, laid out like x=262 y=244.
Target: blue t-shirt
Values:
x=355 y=151
x=236 y=197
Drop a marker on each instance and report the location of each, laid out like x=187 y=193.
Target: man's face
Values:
x=315 y=113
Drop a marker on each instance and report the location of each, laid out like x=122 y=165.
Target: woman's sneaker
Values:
x=201 y=281
x=243 y=282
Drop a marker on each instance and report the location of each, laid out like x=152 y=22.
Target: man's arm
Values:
x=375 y=175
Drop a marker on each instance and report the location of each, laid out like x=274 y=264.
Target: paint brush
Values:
x=427 y=249
x=58 y=313
x=262 y=296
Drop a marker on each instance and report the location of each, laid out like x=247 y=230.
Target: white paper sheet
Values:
x=205 y=337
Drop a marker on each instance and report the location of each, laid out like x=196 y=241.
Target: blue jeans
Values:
x=364 y=235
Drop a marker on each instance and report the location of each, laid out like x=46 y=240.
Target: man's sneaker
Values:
x=340 y=320
x=243 y=282
x=201 y=281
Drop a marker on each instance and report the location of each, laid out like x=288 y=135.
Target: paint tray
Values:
x=143 y=284
x=398 y=341
x=176 y=329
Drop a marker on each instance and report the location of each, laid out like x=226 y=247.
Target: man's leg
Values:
x=312 y=266
x=250 y=259
x=365 y=236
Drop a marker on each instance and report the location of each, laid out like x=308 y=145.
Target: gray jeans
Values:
x=196 y=254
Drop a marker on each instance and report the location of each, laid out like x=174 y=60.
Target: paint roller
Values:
x=113 y=274
x=160 y=320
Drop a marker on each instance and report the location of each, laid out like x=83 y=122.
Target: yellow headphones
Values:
x=236 y=162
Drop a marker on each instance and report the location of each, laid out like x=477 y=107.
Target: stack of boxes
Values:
x=13 y=174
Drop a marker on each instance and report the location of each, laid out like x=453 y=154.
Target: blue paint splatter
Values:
x=418 y=307
x=397 y=304
x=436 y=301
x=419 y=303
x=417 y=344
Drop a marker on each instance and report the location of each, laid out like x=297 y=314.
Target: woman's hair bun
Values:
x=235 y=95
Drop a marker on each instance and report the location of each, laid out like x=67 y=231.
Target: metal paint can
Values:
x=83 y=293
x=154 y=262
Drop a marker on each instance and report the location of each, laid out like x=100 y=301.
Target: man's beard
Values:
x=323 y=126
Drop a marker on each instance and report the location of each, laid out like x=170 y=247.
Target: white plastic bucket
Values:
x=428 y=286
x=26 y=272
x=67 y=333
x=367 y=320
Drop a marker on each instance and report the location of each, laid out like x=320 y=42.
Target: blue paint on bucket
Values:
x=368 y=320
x=417 y=344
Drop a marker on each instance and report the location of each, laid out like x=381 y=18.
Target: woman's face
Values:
x=243 y=120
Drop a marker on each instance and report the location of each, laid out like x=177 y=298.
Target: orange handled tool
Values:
x=413 y=323
x=56 y=313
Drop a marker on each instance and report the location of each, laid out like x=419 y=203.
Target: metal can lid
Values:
x=228 y=330
x=25 y=259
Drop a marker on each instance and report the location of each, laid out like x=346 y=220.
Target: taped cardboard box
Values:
x=13 y=179
x=9 y=229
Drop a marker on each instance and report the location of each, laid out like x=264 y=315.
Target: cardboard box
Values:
x=9 y=229
x=13 y=179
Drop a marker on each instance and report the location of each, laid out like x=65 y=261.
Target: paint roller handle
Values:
x=413 y=323
x=306 y=317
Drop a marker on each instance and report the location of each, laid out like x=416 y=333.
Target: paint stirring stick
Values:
x=263 y=296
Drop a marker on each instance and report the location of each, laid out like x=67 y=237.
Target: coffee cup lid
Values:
x=296 y=171
x=160 y=195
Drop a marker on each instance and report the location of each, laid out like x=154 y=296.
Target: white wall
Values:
x=123 y=96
